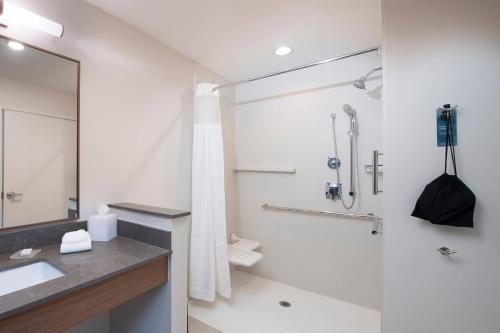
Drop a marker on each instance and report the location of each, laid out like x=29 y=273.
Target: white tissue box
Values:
x=102 y=228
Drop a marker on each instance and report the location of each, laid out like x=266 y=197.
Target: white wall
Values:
x=436 y=52
x=285 y=122
x=24 y=96
x=136 y=107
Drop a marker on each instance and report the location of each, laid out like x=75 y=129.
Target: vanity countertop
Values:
x=106 y=260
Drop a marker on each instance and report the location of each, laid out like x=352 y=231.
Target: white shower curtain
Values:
x=209 y=265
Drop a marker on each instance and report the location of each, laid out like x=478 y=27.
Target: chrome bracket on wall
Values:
x=446 y=251
x=369 y=168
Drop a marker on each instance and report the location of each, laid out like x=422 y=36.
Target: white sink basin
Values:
x=21 y=277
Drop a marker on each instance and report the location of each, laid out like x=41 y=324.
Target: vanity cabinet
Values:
x=59 y=315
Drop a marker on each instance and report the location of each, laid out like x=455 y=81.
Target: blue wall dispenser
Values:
x=441 y=114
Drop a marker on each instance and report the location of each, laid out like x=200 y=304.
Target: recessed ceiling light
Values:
x=15 y=45
x=283 y=50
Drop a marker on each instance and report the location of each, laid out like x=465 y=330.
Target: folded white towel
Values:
x=75 y=236
x=86 y=245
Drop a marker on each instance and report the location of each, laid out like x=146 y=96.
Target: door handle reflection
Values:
x=11 y=195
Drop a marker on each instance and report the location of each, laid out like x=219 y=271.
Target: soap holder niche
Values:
x=242 y=252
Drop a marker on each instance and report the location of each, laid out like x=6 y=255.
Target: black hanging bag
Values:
x=447 y=200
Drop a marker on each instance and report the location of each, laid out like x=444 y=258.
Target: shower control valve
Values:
x=333 y=190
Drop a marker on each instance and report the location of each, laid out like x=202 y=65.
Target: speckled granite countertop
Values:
x=107 y=259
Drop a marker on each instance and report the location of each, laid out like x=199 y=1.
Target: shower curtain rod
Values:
x=260 y=77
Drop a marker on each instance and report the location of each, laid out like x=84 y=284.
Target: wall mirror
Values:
x=39 y=101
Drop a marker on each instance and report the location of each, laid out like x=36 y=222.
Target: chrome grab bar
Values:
x=362 y=216
x=376 y=165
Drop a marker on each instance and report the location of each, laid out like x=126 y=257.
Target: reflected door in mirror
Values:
x=39 y=167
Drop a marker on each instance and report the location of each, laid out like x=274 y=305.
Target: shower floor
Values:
x=254 y=307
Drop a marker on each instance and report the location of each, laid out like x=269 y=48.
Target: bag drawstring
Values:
x=449 y=143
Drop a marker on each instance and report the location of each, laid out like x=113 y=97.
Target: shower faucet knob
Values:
x=333 y=190
x=333 y=163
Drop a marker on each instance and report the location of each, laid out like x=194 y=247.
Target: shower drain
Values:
x=285 y=304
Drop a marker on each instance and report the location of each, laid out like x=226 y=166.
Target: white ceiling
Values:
x=236 y=38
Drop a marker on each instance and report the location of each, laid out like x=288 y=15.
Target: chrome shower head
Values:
x=361 y=82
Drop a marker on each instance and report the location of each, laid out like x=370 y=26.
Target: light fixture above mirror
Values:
x=12 y=15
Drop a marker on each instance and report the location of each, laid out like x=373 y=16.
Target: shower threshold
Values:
x=265 y=306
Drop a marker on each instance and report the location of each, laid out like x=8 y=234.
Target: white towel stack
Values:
x=76 y=241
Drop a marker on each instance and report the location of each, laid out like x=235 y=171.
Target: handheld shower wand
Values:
x=354 y=119
x=354 y=131
x=334 y=188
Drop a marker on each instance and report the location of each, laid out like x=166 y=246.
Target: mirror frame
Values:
x=78 y=65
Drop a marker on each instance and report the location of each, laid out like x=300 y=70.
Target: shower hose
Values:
x=353 y=163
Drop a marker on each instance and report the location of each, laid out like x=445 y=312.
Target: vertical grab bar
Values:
x=376 y=155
